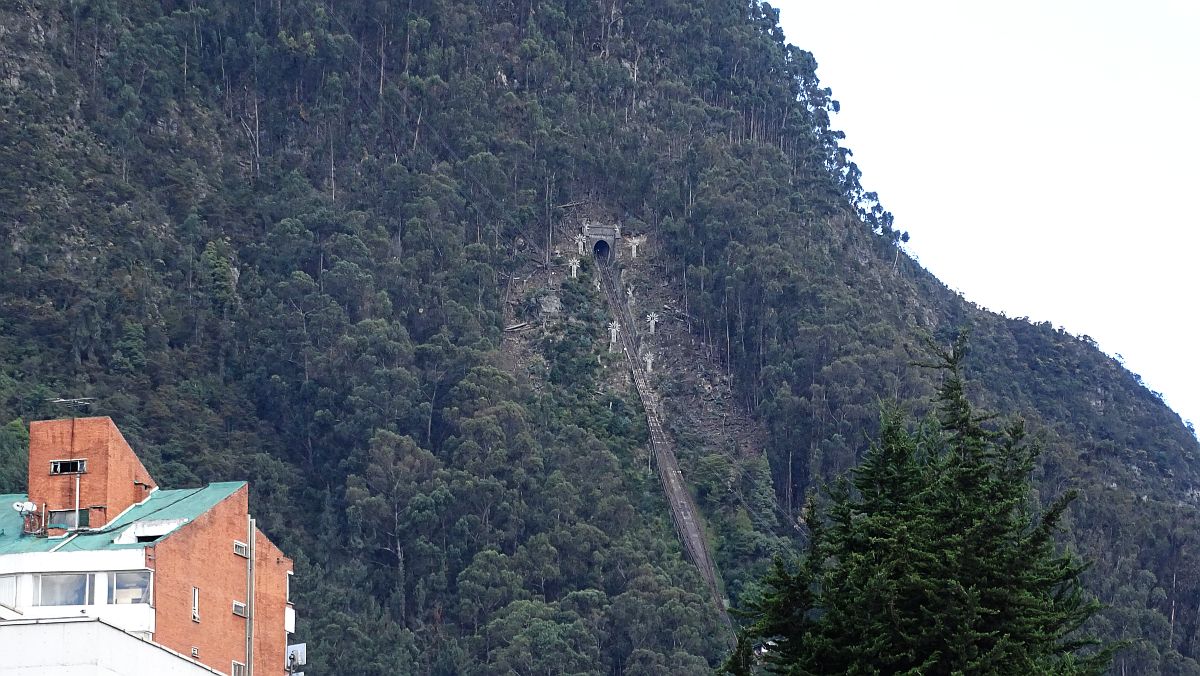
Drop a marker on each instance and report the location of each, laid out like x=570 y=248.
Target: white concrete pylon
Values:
x=649 y=359
x=614 y=329
x=580 y=241
x=634 y=243
x=652 y=320
x=629 y=294
x=574 y=263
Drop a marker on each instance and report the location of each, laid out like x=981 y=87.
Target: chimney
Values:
x=83 y=467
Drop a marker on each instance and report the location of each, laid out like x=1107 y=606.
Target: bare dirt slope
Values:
x=690 y=408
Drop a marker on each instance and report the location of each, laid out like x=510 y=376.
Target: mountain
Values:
x=281 y=242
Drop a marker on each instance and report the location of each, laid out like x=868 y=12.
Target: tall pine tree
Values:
x=933 y=559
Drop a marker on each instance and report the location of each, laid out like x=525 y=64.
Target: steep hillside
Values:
x=278 y=241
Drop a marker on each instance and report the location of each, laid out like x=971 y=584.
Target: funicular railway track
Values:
x=684 y=513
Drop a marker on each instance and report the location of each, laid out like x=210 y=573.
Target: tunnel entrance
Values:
x=601 y=251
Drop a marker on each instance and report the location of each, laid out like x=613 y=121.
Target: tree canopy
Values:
x=281 y=242
x=933 y=559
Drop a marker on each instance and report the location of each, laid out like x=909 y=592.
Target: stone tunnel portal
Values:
x=601 y=251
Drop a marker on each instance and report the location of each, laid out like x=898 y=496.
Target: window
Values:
x=65 y=589
x=65 y=518
x=68 y=466
x=195 y=604
x=289 y=586
x=241 y=549
x=238 y=669
x=8 y=590
x=129 y=587
x=239 y=608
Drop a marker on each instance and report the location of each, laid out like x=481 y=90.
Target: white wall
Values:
x=132 y=617
x=85 y=647
x=135 y=617
x=133 y=558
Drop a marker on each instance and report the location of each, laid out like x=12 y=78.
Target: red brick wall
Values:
x=128 y=481
x=270 y=599
x=201 y=555
x=106 y=489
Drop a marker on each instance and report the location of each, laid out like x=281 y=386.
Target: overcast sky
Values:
x=1043 y=155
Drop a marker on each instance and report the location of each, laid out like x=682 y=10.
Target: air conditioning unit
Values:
x=297 y=655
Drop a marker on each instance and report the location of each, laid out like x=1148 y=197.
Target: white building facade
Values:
x=86 y=646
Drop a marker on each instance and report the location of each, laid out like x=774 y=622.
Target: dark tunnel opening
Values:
x=601 y=251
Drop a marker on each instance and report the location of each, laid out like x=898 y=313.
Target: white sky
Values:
x=1043 y=155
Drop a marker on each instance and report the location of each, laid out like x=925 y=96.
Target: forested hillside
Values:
x=276 y=241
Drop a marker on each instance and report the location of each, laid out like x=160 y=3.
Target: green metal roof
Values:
x=162 y=505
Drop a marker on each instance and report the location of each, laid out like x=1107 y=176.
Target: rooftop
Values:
x=179 y=505
x=88 y=645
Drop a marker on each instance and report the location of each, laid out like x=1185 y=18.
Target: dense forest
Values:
x=277 y=241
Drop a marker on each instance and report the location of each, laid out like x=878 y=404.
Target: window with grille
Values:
x=68 y=466
x=241 y=549
x=239 y=608
x=65 y=518
x=238 y=669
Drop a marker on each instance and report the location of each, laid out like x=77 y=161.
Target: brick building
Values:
x=185 y=569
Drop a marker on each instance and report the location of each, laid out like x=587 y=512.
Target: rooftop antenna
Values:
x=31 y=521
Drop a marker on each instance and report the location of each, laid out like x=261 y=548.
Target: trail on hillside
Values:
x=684 y=513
